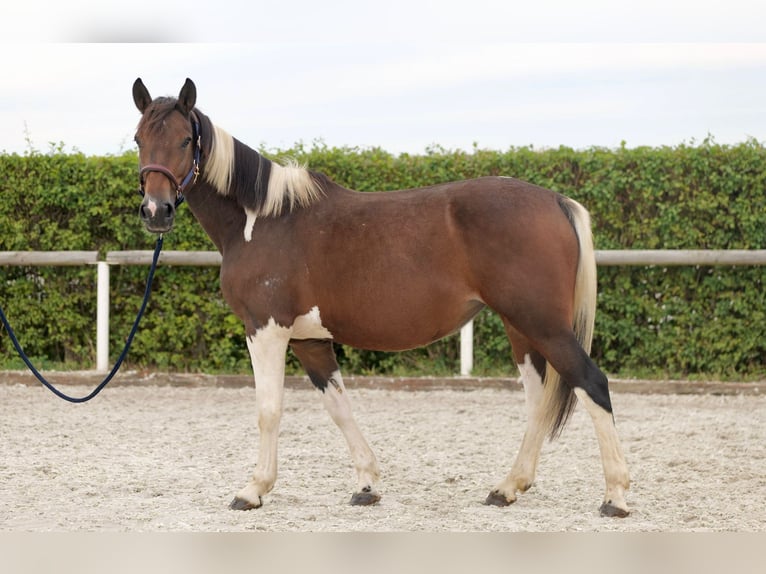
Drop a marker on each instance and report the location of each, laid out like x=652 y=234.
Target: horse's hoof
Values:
x=612 y=511
x=242 y=504
x=367 y=497
x=496 y=498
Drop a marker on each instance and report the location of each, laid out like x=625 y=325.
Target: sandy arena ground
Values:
x=154 y=457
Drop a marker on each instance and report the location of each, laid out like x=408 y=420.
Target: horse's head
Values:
x=168 y=151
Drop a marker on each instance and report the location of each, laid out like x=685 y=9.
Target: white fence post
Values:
x=102 y=318
x=466 y=349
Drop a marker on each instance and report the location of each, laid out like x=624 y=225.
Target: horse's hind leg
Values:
x=532 y=370
x=318 y=358
x=578 y=372
x=591 y=388
x=612 y=459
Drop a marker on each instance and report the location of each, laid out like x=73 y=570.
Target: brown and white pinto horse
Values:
x=307 y=262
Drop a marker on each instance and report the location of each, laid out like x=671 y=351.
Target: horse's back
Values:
x=399 y=269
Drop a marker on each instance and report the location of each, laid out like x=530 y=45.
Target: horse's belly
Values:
x=402 y=327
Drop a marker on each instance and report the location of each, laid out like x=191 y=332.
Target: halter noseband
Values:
x=190 y=177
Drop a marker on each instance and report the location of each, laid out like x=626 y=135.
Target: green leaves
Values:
x=650 y=321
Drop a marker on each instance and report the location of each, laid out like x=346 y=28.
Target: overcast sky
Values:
x=394 y=74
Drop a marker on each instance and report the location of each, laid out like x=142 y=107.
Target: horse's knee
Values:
x=577 y=370
x=269 y=415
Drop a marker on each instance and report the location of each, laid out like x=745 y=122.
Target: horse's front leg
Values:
x=318 y=358
x=267 y=346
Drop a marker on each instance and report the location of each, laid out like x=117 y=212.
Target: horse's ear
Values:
x=141 y=95
x=188 y=97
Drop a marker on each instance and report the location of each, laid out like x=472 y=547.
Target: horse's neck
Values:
x=219 y=216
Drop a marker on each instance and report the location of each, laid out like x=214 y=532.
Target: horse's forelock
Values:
x=156 y=113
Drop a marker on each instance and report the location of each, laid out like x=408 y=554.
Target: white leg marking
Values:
x=337 y=403
x=523 y=472
x=615 y=468
x=267 y=352
x=526 y=461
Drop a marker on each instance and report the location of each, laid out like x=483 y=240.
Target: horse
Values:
x=307 y=262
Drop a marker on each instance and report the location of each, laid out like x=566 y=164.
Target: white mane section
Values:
x=289 y=183
x=221 y=162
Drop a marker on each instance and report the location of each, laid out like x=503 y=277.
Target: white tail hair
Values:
x=559 y=398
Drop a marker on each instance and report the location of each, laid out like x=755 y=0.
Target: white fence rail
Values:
x=664 y=258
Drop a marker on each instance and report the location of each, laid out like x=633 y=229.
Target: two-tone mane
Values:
x=259 y=184
x=263 y=187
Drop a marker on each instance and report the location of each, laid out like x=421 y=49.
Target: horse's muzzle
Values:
x=157 y=215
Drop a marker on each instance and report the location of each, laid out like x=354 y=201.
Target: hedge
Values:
x=651 y=321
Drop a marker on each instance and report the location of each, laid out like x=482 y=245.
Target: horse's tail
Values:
x=558 y=396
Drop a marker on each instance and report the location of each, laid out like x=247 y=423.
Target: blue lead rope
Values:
x=124 y=353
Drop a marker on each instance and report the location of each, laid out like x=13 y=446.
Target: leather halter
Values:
x=191 y=177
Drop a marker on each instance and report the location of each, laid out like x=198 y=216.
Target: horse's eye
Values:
x=187 y=141
x=138 y=141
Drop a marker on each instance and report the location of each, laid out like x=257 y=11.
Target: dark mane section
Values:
x=206 y=134
x=262 y=187
x=251 y=175
x=249 y=171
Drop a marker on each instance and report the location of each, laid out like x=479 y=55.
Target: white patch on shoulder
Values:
x=309 y=326
x=250 y=217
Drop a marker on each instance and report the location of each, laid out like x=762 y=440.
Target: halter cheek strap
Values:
x=191 y=177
